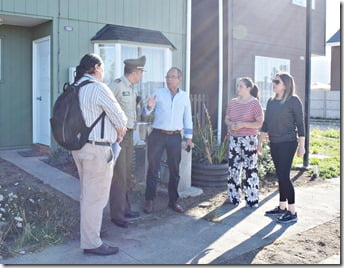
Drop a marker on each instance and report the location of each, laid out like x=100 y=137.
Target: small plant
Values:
x=265 y=163
x=60 y=157
x=206 y=149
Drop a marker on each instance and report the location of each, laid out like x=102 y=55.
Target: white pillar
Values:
x=219 y=111
x=184 y=188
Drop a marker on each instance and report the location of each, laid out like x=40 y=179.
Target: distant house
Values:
x=41 y=42
x=260 y=38
x=334 y=42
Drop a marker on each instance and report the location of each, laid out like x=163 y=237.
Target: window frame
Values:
x=302 y=3
x=118 y=53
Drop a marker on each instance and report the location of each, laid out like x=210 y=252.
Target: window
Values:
x=158 y=61
x=303 y=3
x=265 y=70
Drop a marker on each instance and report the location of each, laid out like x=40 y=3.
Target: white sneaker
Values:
x=254 y=206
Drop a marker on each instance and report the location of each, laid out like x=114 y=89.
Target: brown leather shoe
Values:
x=132 y=214
x=121 y=223
x=103 y=250
x=148 y=207
x=176 y=207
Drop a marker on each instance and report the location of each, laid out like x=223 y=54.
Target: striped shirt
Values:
x=244 y=112
x=172 y=112
x=94 y=99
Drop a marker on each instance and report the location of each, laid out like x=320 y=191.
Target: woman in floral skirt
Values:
x=244 y=117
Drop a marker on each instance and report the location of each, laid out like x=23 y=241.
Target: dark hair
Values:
x=289 y=84
x=86 y=65
x=249 y=83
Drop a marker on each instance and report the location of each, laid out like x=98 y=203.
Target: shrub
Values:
x=206 y=149
x=265 y=163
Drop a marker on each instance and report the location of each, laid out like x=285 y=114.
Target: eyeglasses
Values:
x=171 y=77
x=276 y=81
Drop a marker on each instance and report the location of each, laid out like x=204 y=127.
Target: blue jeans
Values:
x=157 y=143
x=282 y=154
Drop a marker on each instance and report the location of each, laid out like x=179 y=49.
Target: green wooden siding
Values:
x=46 y=8
x=16 y=87
x=86 y=17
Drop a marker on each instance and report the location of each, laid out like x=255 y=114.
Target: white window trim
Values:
x=118 y=53
x=304 y=4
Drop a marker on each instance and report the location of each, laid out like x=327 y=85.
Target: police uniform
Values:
x=126 y=96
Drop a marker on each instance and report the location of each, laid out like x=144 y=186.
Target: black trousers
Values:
x=282 y=154
x=157 y=143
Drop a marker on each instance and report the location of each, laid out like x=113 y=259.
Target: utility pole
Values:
x=308 y=79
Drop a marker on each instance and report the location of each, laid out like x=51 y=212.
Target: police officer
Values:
x=123 y=89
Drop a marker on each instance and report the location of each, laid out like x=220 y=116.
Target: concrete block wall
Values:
x=325 y=104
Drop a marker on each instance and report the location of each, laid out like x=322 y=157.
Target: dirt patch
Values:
x=309 y=247
x=33 y=214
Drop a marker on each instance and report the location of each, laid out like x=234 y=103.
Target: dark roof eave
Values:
x=111 y=32
x=334 y=38
x=171 y=46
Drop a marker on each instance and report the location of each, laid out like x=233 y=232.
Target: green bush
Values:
x=265 y=163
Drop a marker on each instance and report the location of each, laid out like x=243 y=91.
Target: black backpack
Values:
x=67 y=123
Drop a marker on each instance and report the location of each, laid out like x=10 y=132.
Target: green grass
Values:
x=325 y=143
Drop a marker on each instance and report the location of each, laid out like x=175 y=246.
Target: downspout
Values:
x=188 y=46
x=219 y=111
x=58 y=47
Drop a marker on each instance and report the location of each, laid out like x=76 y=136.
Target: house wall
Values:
x=274 y=29
x=15 y=86
x=86 y=17
x=204 y=52
x=335 y=68
x=252 y=28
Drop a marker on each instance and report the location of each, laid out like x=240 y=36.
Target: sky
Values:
x=321 y=65
x=332 y=17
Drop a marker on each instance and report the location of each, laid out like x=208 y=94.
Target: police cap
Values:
x=138 y=63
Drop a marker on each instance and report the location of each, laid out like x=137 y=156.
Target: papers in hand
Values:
x=116 y=148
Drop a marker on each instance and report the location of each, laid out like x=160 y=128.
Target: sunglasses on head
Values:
x=276 y=81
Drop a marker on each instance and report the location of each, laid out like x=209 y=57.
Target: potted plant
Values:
x=209 y=158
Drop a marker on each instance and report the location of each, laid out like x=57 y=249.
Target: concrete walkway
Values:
x=183 y=239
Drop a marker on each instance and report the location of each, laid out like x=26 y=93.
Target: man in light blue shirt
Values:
x=172 y=117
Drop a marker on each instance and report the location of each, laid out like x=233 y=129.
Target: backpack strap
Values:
x=101 y=116
x=103 y=127
x=83 y=83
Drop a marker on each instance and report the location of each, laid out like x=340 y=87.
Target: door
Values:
x=41 y=91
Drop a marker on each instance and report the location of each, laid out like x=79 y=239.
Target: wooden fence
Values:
x=198 y=101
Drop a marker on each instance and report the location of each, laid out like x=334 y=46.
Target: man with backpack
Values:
x=95 y=160
x=123 y=89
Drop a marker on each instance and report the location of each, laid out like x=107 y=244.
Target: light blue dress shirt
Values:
x=172 y=113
